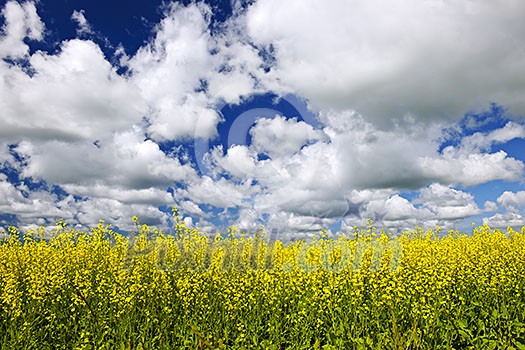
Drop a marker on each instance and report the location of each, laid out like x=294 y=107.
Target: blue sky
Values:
x=296 y=115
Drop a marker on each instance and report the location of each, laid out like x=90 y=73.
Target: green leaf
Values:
x=463 y=324
x=519 y=346
x=465 y=334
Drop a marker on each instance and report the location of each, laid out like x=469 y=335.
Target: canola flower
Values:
x=150 y=290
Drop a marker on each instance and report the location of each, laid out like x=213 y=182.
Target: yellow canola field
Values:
x=419 y=290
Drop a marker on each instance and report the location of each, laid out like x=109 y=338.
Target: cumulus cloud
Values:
x=221 y=193
x=428 y=59
x=383 y=80
x=127 y=161
x=512 y=201
x=490 y=206
x=471 y=163
x=73 y=95
x=42 y=208
x=8 y=192
x=152 y=196
x=30 y=207
x=482 y=142
x=239 y=161
x=505 y=220
x=21 y=21
x=192 y=209
x=90 y=211
x=447 y=203
x=354 y=156
x=399 y=208
x=176 y=69
x=5 y=155
x=472 y=169
x=436 y=205
x=83 y=25
x=281 y=137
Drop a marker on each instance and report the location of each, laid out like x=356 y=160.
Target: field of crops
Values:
x=152 y=290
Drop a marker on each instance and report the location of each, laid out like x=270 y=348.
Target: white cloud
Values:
x=125 y=161
x=5 y=156
x=503 y=221
x=387 y=59
x=185 y=72
x=490 y=206
x=90 y=211
x=206 y=227
x=43 y=208
x=169 y=70
x=221 y=193
x=479 y=142
x=236 y=65
x=83 y=25
x=281 y=137
x=437 y=205
x=355 y=155
x=288 y=226
x=8 y=193
x=152 y=196
x=75 y=94
x=512 y=201
x=192 y=209
x=399 y=208
x=384 y=79
x=239 y=161
x=447 y=203
x=247 y=221
x=472 y=169
x=470 y=163
x=21 y=21
x=31 y=207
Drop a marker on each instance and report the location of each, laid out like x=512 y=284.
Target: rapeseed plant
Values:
x=153 y=290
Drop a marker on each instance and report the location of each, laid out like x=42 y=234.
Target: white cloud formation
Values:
x=384 y=80
x=221 y=193
x=436 y=205
x=281 y=137
x=84 y=27
x=239 y=161
x=170 y=69
x=41 y=207
x=126 y=161
x=430 y=59
x=30 y=207
x=398 y=208
x=472 y=169
x=471 y=163
x=152 y=196
x=479 y=141
x=490 y=206
x=90 y=211
x=5 y=156
x=21 y=21
x=8 y=192
x=505 y=220
x=512 y=201
x=192 y=209
x=447 y=203
x=355 y=155
x=185 y=72
x=75 y=94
